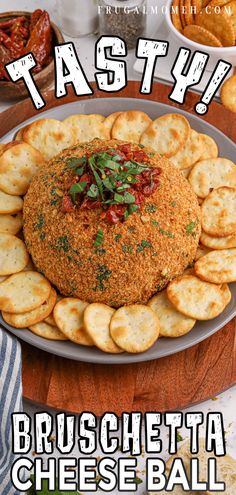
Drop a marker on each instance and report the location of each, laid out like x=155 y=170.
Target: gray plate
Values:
x=164 y=347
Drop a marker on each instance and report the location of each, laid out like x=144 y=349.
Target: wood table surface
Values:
x=170 y=383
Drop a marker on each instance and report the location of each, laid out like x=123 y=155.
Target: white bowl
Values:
x=227 y=53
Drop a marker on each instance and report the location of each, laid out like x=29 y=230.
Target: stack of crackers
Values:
x=208 y=22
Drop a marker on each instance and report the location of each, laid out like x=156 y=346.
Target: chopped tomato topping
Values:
x=114 y=213
x=117 y=184
x=67 y=205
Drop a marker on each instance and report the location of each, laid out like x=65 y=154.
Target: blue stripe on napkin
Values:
x=10 y=401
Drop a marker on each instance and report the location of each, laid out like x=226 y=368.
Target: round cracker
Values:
x=218 y=3
x=218 y=212
x=210 y=148
x=230 y=11
x=201 y=251
x=135 y=328
x=13 y=254
x=227 y=293
x=10 y=204
x=49 y=136
x=228 y=94
x=218 y=267
x=97 y=318
x=181 y=11
x=25 y=320
x=195 y=298
x=23 y=292
x=190 y=153
x=175 y=16
x=47 y=331
x=167 y=134
x=2 y=148
x=18 y=165
x=199 y=34
x=218 y=242
x=212 y=174
x=186 y=171
x=30 y=267
x=68 y=314
x=172 y=322
x=19 y=136
x=218 y=24
x=109 y=121
x=50 y=320
x=85 y=128
x=130 y=125
x=197 y=6
x=11 y=224
x=188 y=14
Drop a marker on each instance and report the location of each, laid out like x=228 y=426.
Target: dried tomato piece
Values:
x=40 y=40
x=115 y=213
x=89 y=204
x=140 y=156
x=151 y=188
x=67 y=205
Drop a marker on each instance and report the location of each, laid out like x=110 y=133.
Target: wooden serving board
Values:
x=169 y=383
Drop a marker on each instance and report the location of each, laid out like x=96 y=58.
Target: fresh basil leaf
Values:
x=126 y=214
x=93 y=191
x=132 y=208
x=99 y=238
x=75 y=162
x=79 y=171
x=108 y=183
x=129 y=198
x=76 y=189
x=96 y=176
x=123 y=187
x=101 y=163
x=117 y=158
x=118 y=198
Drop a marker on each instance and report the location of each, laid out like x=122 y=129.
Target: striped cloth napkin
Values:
x=10 y=401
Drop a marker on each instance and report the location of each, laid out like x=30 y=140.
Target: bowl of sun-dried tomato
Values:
x=21 y=33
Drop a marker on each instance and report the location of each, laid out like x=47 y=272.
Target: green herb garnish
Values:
x=143 y=245
x=76 y=163
x=99 y=238
x=110 y=179
x=179 y=437
x=138 y=480
x=103 y=274
x=77 y=189
x=126 y=248
x=62 y=244
x=45 y=489
x=190 y=227
x=93 y=191
x=150 y=208
x=154 y=222
x=100 y=251
x=167 y=233
x=40 y=223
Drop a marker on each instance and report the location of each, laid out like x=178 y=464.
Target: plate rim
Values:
x=125 y=358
